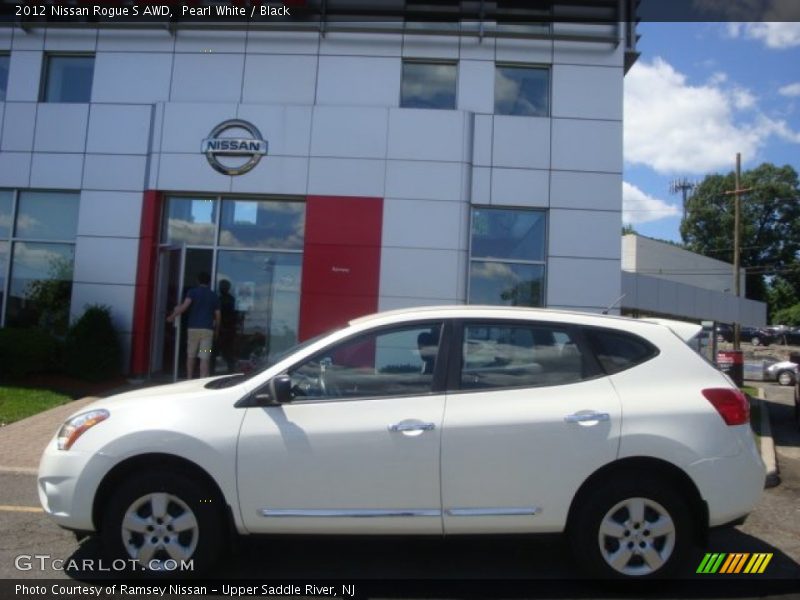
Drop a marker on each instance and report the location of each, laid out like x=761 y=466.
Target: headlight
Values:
x=77 y=425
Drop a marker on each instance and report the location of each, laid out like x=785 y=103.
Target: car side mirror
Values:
x=278 y=391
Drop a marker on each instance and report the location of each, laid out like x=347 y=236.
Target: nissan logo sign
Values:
x=225 y=153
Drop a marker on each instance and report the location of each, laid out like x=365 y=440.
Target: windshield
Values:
x=238 y=378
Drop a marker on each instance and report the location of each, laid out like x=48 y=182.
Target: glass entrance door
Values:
x=178 y=269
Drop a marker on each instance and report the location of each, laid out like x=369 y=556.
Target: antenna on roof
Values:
x=613 y=304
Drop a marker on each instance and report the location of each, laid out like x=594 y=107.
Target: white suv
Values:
x=440 y=420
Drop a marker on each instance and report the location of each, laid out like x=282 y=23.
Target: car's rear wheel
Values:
x=163 y=521
x=633 y=529
x=786 y=377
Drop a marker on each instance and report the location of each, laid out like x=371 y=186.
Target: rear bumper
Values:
x=731 y=486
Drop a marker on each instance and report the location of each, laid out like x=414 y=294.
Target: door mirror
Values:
x=278 y=391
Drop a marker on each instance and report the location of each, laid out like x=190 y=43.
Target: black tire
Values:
x=584 y=529
x=756 y=341
x=183 y=498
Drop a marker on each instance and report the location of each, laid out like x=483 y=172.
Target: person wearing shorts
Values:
x=202 y=324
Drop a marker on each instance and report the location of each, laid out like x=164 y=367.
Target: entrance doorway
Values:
x=252 y=248
x=178 y=269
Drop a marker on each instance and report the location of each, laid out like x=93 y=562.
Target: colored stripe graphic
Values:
x=721 y=562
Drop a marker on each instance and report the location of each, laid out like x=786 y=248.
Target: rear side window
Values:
x=519 y=355
x=617 y=351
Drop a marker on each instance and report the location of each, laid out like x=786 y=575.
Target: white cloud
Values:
x=639 y=207
x=776 y=35
x=675 y=127
x=791 y=90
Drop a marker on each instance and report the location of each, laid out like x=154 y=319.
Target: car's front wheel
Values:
x=632 y=529
x=163 y=522
x=786 y=377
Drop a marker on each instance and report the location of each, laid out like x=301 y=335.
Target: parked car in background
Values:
x=757 y=336
x=437 y=421
x=784 y=372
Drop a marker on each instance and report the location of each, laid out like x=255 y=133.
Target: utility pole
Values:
x=737 y=210
x=682 y=186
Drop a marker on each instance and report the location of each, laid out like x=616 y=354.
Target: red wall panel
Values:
x=144 y=298
x=341 y=261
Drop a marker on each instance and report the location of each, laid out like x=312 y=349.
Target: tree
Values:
x=770 y=234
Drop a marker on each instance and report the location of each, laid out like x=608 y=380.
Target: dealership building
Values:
x=321 y=169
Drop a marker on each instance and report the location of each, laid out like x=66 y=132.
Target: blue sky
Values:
x=699 y=93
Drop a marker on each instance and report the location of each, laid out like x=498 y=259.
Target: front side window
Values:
x=617 y=351
x=428 y=85
x=37 y=251
x=507 y=257
x=520 y=355
x=4 y=61
x=68 y=78
x=390 y=362
x=522 y=90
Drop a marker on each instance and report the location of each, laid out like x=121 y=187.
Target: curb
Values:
x=772 y=478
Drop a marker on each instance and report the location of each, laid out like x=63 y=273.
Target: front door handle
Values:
x=587 y=417
x=411 y=427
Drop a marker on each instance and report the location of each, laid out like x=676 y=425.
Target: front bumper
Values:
x=67 y=484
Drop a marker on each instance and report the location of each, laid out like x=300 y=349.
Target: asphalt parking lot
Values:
x=435 y=564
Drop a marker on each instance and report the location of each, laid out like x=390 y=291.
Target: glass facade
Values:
x=253 y=249
x=37 y=253
x=4 y=63
x=507 y=257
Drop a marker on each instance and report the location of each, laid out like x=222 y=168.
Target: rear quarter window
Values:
x=618 y=351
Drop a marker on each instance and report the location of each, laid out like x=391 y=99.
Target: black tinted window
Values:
x=503 y=356
x=617 y=351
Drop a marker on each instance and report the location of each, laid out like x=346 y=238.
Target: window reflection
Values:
x=47 y=215
x=509 y=234
x=522 y=91
x=262 y=224
x=41 y=286
x=261 y=307
x=428 y=85
x=191 y=221
x=508 y=284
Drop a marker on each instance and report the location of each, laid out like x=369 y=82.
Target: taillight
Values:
x=731 y=404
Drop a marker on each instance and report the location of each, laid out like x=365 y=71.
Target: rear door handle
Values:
x=587 y=416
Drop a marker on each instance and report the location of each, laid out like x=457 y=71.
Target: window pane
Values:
x=519 y=356
x=6 y=198
x=260 y=305
x=41 y=286
x=191 y=220
x=512 y=234
x=4 y=60
x=47 y=215
x=69 y=79
x=617 y=351
x=508 y=284
x=264 y=224
x=428 y=85
x=522 y=91
x=397 y=362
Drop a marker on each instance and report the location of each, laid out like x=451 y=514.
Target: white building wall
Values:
x=329 y=108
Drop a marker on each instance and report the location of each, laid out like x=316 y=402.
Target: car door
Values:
x=528 y=419
x=357 y=449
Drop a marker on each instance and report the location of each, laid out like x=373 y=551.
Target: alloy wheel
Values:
x=636 y=537
x=159 y=527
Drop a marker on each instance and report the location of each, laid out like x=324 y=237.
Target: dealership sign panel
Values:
x=237 y=152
